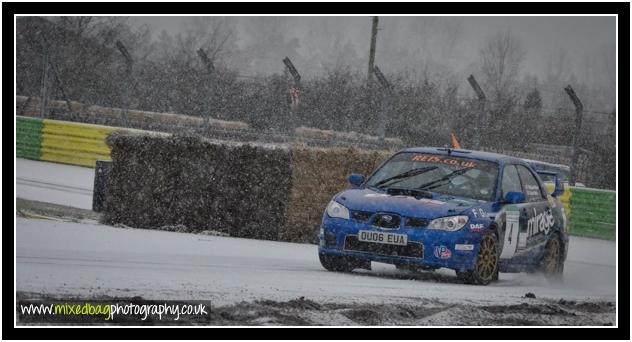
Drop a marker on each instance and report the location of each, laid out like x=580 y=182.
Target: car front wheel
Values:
x=486 y=268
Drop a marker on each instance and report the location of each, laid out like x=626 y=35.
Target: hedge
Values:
x=159 y=181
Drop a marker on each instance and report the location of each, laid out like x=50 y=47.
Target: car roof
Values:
x=538 y=162
x=488 y=156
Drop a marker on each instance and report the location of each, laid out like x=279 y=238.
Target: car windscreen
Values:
x=448 y=175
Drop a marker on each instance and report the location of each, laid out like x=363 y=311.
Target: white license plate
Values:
x=380 y=237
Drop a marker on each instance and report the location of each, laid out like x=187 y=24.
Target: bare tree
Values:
x=81 y=54
x=502 y=56
x=215 y=35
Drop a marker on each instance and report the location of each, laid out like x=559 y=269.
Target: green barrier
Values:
x=28 y=138
x=593 y=213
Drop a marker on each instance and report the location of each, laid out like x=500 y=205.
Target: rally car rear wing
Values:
x=547 y=173
x=559 y=185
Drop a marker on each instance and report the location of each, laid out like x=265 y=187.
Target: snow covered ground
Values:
x=89 y=259
x=54 y=183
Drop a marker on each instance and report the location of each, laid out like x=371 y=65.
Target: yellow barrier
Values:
x=565 y=198
x=74 y=143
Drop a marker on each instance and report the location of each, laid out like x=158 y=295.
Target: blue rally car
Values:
x=426 y=208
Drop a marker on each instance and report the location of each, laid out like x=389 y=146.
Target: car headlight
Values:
x=335 y=209
x=449 y=223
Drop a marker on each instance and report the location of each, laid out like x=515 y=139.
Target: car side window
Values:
x=511 y=181
x=532 y=189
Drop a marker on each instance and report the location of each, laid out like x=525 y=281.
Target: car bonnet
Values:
x=373 y=201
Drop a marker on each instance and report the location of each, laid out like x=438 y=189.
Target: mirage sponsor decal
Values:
x=540 y=223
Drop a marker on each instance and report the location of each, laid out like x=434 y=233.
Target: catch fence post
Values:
x=579 y=111
x=482 y=119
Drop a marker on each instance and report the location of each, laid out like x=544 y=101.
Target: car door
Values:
x=512 y=219
x=536 y=221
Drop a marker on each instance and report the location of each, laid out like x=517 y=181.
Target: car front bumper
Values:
x=425 y=247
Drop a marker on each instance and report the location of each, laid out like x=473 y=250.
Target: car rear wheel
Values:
x=486 y=268
x=551 y=264
x=336 y=263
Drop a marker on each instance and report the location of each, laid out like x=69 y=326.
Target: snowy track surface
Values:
x=54 y=183
x=88 y=259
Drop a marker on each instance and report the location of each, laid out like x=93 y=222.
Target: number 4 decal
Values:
x=512 y=228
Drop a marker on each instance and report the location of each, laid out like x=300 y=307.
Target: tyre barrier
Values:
x=565 y=198
x=28 y=135
x=593 y=212
x=61 y=141
x=74 y=143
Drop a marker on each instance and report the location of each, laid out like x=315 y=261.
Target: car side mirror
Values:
x=356 y=180
x=515 y=197
x=559 y=188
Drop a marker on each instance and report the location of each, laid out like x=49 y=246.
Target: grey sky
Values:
x=583 y=38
